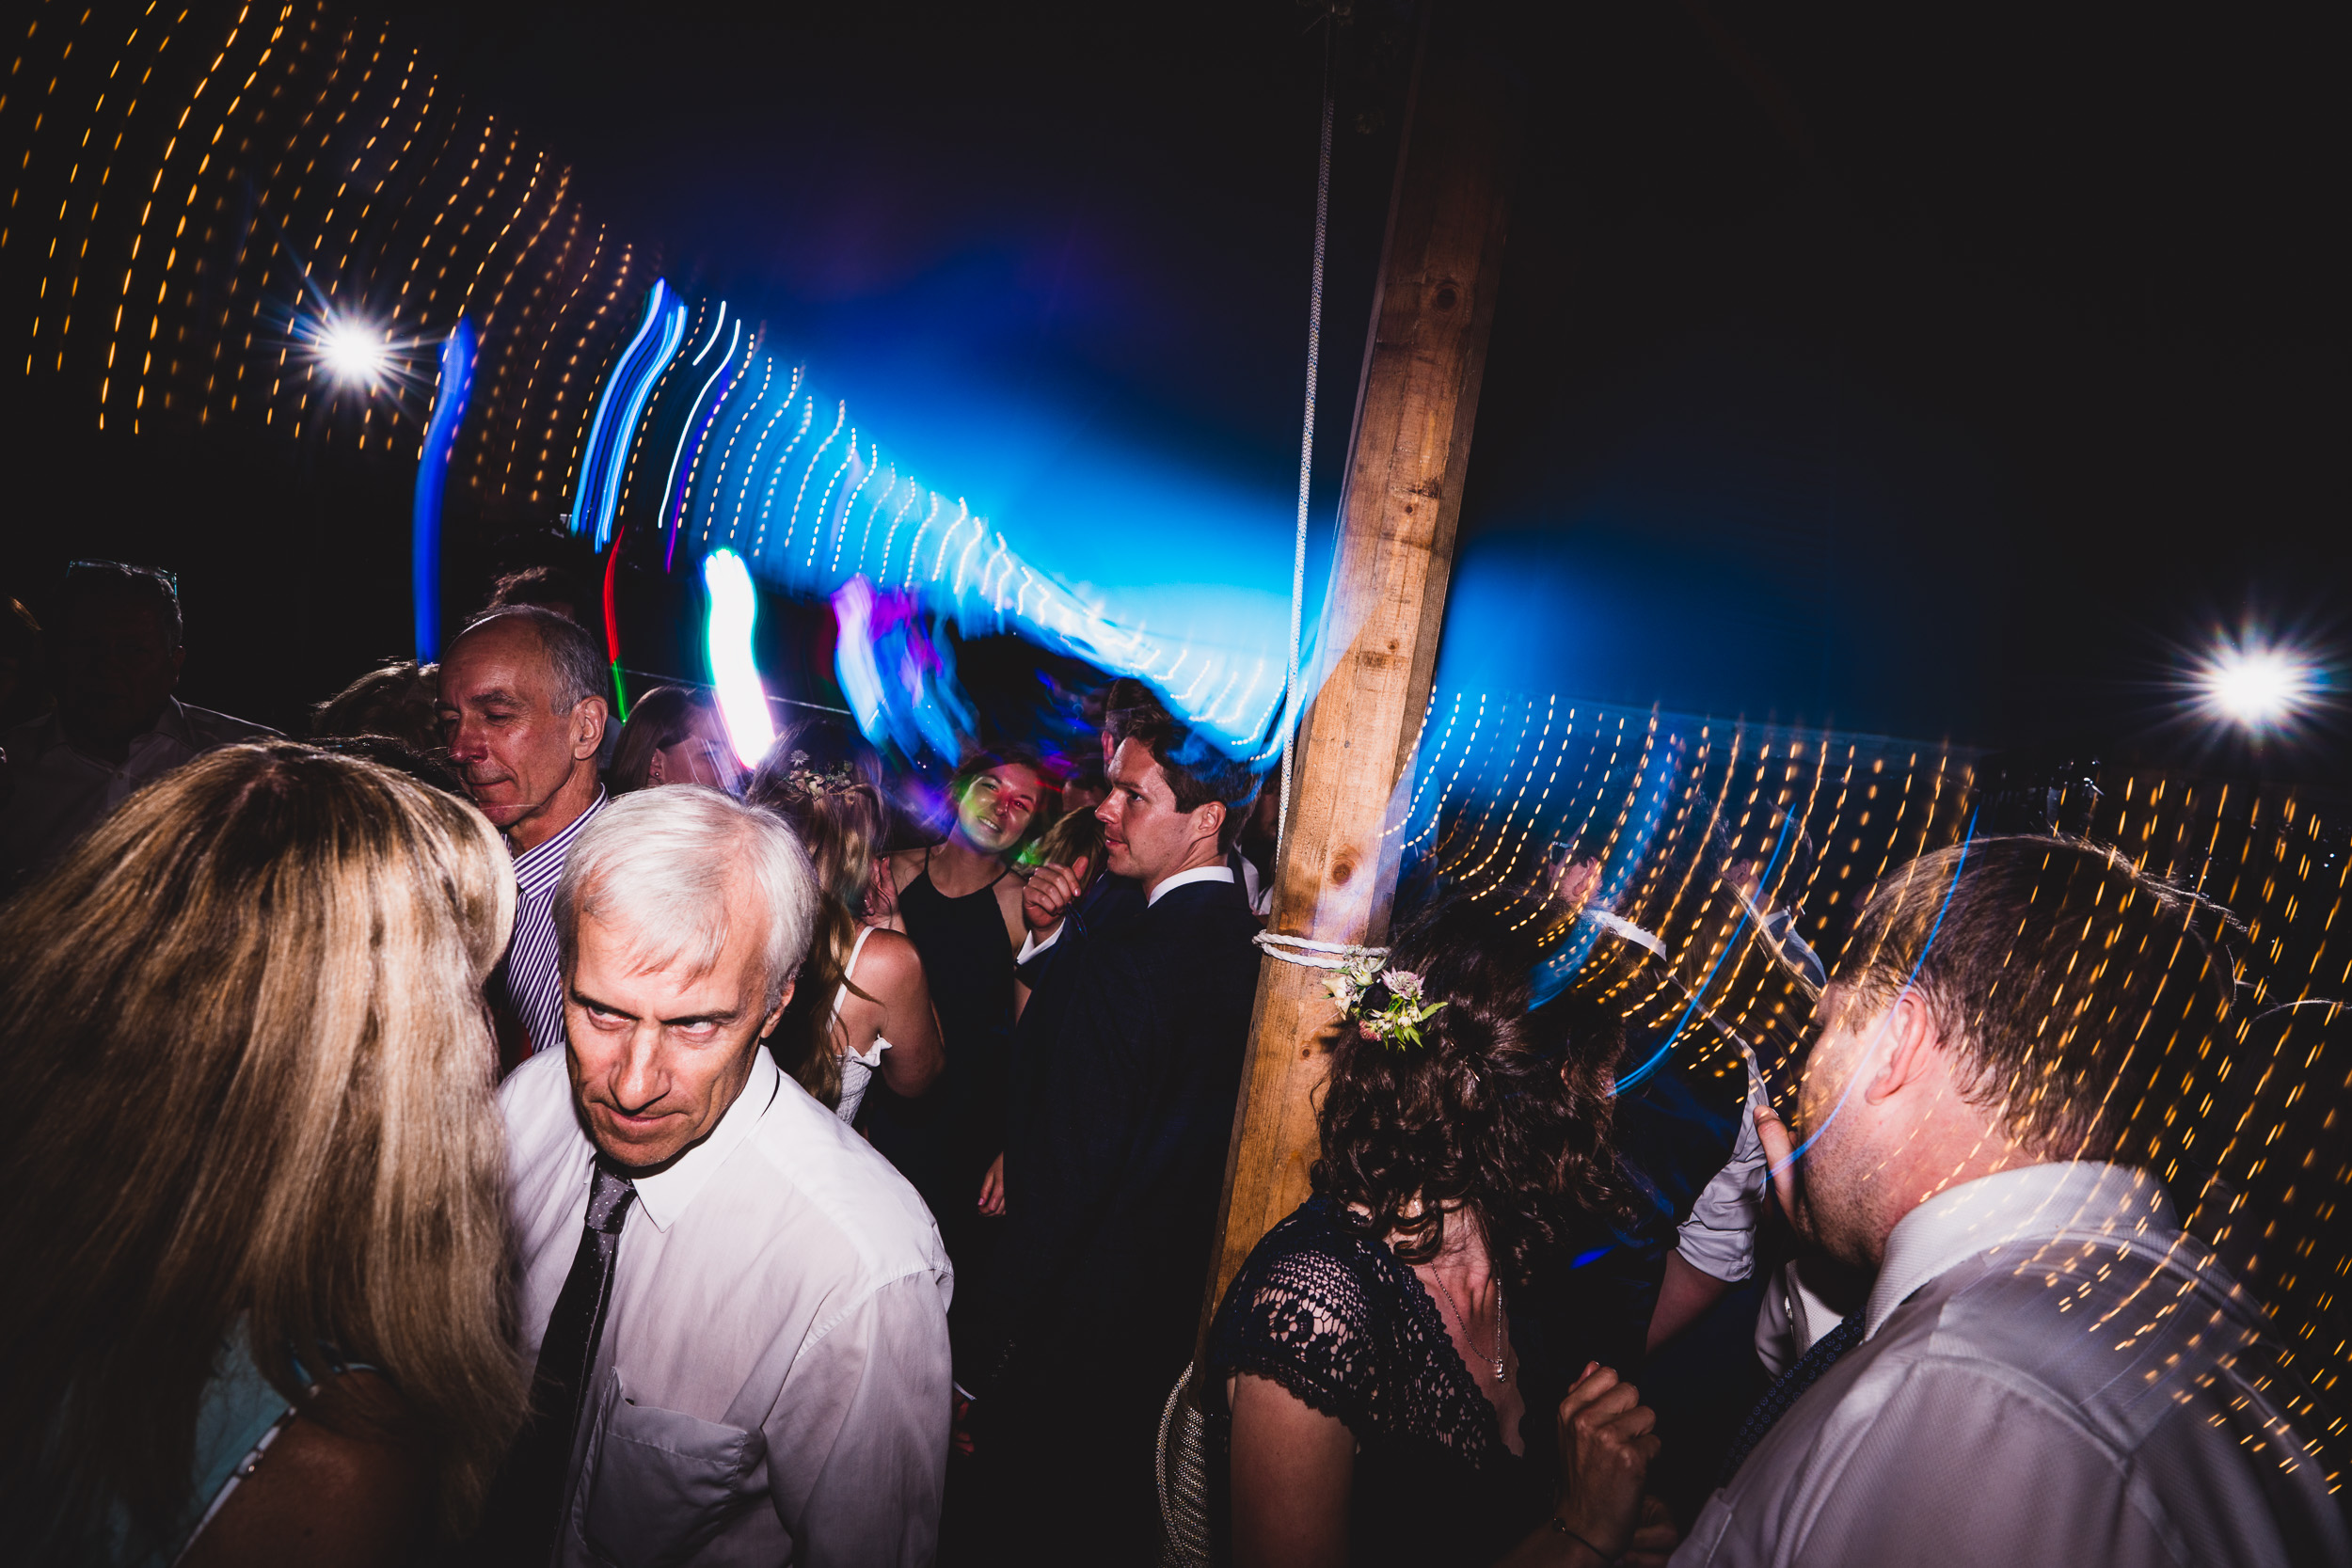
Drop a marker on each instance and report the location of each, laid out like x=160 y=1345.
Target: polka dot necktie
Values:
x=521 y=1523
x=1792 y=1385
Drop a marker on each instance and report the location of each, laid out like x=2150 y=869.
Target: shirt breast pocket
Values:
x=660 y=1485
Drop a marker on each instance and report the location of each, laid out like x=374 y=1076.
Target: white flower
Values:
x=1402 y=982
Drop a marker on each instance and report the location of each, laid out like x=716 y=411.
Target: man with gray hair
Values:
x=523 y=706
x=739 y=1310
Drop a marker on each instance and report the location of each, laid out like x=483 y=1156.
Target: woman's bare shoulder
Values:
x=339 y=1485
x=889 y=956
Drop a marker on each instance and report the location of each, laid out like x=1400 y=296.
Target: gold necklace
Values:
x=1497 y=1357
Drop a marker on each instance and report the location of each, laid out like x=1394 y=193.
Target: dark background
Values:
x=1948 y=375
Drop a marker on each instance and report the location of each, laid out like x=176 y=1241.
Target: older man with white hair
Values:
x=738 y=1308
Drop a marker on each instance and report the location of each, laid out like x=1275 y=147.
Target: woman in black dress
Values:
x=1392 y=1368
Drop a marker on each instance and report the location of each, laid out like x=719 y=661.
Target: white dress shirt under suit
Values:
x=771 y=1384
x=2052 y=1374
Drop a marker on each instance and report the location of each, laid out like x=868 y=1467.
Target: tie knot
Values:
x=607 y=1200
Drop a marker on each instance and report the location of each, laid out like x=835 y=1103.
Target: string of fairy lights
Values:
x=217 y=205
x=1695 y=880
x=274 y=214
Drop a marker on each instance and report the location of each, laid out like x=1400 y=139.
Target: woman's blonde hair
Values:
x=245 y=1018
x=834 y=805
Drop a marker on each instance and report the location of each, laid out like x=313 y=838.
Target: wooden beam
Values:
x=1419 y=398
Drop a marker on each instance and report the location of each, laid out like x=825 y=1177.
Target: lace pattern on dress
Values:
x=1339 y=1323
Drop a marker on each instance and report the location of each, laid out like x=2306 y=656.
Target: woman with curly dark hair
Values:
x=1392 y=1390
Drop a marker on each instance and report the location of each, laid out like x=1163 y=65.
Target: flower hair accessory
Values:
x=803 y=779
x=1386 y=1004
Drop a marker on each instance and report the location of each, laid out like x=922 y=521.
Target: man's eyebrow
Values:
x=587 y=1001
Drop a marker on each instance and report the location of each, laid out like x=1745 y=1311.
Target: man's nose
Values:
x=641 y=1078
x=465 y=742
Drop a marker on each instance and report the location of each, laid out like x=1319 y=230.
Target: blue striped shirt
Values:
x=535 y=965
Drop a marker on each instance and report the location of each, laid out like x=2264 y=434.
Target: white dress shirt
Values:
x=2052 y=1373
x=771 y=1384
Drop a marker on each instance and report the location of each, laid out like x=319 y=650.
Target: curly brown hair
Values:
x=1503 y=1110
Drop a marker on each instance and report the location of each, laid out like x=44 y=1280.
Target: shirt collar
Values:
x=666 y=1196
x=1218 y=873
x=2032 y=1203
x=171 y=723
x=537 y=868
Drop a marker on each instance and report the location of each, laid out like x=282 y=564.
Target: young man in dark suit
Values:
x=1115 y=1156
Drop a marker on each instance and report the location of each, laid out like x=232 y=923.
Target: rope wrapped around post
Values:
x=1308 y=954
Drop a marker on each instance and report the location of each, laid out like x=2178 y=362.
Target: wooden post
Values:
x=1419 y=398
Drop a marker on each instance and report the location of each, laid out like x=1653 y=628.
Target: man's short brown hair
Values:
x=1198 y=771
x=2064 y=977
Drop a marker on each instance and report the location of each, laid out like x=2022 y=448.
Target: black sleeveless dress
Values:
x=943 y=1142
x=1338 y=1321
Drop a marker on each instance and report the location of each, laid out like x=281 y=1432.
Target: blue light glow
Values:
x=613 y=430
x=441 y=435
x=806 y=504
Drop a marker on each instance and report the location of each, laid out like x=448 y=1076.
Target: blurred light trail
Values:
x=441 y=435
x=742 y=701
x=612 y=432
x=803 y=501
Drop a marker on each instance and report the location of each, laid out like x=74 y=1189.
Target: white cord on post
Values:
x=1307 y=437
x=1308 y=954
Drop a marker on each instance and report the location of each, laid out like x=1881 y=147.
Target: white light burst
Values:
x=2255 y=684
x=355 y=351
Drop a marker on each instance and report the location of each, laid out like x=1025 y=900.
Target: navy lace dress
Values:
x=1335 y=1319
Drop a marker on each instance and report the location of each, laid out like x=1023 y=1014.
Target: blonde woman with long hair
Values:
x=254 y=1221
x=863 y=1009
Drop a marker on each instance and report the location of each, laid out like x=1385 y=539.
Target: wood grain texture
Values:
x=1410 y=450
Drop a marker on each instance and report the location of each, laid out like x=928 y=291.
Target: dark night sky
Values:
x=1937 y=375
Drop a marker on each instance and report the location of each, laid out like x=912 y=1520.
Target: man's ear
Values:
x=769 y=1027
x=1209 y=821
x=588 y=718
x=1909 y=1049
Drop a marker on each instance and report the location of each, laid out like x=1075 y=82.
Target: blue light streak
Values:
x=716 y=327
x=441 y=437
x=674 y=498
x=1691 y=1009
x=963 y=570
x=613 y=430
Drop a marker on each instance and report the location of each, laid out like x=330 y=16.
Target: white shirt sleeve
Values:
x=857 y=1441
x=1719 y=1237
x=1031 y=946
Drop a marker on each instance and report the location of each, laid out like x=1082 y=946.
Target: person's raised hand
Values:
x=1050 y=892
x=1779 y=1158
x=1606 y=1446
